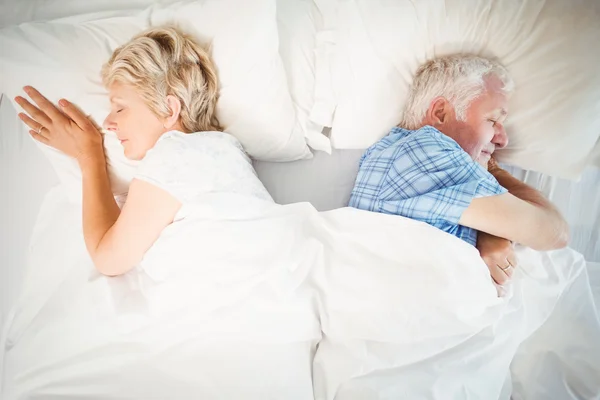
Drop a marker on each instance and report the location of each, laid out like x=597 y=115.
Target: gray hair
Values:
x=459 y=78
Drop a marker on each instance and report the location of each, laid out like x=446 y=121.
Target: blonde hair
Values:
x=165 y=61
x=459 y=78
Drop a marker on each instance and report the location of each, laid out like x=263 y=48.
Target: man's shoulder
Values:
x=400 y=141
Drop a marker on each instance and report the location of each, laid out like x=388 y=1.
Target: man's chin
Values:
x=483 y=160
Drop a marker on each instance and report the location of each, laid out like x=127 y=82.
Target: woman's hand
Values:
x=498 y=254
x=67 y=129
x=493 y=166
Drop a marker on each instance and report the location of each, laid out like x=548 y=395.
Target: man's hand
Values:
x=499 y=256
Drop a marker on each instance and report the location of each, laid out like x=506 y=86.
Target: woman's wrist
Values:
x=92 y=160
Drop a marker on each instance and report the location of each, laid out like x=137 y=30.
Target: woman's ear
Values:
x=172 y=120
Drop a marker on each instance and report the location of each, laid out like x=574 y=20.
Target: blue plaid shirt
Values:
x=423 y=175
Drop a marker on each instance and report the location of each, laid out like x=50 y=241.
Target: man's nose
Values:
x=500 y=138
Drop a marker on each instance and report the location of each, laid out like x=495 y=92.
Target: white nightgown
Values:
x=195 y=168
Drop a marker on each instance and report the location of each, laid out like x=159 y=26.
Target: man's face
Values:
x=482 y=132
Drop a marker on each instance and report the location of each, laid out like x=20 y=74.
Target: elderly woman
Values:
x=163 y=92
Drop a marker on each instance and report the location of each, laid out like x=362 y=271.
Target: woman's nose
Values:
x=109 y=124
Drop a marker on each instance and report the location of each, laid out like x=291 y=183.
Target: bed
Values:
x=39 y=230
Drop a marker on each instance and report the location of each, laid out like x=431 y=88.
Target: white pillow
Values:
x=550 y=48
x=299 y=23
x=62 y=58
x=13 y=12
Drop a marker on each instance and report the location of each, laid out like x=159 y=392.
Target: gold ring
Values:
x=39 y=131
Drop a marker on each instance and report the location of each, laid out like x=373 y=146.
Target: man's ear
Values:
x=438 y=112
x=175 y=109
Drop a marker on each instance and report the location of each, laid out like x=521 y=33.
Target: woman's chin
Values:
x=130 y=155
x=133 y=155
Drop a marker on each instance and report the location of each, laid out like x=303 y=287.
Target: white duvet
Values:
x=248 y=300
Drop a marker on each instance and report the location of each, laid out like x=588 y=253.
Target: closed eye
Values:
x=118 y=111
x=493 y=122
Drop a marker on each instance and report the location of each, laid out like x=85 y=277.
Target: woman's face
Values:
x=136 y=126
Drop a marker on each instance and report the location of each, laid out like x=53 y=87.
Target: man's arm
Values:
x=520 y=189
x=523 y=215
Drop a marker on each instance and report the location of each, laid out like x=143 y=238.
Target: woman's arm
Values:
x=100 y=210
x=147 y=211
x=115 y=239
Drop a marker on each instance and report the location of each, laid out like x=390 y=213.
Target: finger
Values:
x=500 y=290
x=39 y=138
x=75 y=114
x=42 y=132
x=93 y=122
x=496 y=273
x=43 y=103
x=32 y=110
x=500 y=277
x=33 y=124
x=507 y=270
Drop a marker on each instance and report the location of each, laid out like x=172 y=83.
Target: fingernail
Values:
x=26 y=89
x=63 y=103
x=21 y=115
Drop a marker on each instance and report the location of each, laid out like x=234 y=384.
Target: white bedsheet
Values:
x=366 y=358
x=561 y=360
x=397 y=306
x=25 y=178
x=236 y=323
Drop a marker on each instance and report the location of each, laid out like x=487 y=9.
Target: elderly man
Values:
x=437 y=165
